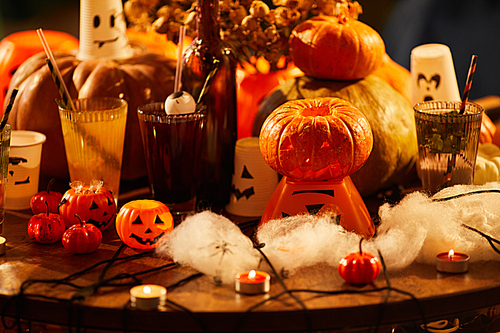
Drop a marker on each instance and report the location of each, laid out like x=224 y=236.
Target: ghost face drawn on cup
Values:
x=103 y=31
x=428 y=85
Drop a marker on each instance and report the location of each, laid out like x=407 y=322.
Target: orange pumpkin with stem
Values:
x=316 y=139
x=336 y=48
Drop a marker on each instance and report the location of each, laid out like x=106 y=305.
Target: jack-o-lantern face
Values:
x=141 y=223
x=96 y=207
x=246 y=181
x=337 y=199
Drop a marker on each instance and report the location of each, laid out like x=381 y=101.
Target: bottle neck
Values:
x=207 y=24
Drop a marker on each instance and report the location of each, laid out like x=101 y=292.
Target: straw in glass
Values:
x=56 y=74
x=468 y=84
x=180 y=46
x=5 y=116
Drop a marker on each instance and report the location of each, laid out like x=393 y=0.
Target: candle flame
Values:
x=252 y=274
x=147 y=289
x=451 y=253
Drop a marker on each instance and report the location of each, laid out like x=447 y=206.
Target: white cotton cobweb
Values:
x=213 y=245
x=304 y=240
x=414 y=230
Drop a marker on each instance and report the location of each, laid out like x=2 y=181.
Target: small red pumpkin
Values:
x=141 y=223
x=93 y=203
x=336 y=48
x=82 y=238
x=359 y=267
x=52 y=198
x=316 y=139
x=46 y=227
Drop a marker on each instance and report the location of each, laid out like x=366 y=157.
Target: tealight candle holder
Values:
x=452 y=262
x=252 y=282
x=3 y=241
x=148 y=296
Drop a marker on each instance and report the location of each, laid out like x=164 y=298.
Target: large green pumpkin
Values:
x=388 y=112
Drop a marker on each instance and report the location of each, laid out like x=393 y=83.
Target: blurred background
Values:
x=467 y=27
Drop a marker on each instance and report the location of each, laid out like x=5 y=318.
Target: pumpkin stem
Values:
x=47 y=207
x=360 y=249
x=49 y=185
x=80 y=219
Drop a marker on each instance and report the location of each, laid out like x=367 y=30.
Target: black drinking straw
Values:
x=468 y=84
x=56 y=74
x=5 y=116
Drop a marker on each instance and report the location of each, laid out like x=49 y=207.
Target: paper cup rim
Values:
x=39 y=138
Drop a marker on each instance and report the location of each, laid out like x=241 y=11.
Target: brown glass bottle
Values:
x=208 y=54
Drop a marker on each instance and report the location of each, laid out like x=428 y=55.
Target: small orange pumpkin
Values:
x=336 y=48
x=141 y=223
x=82 y=238
x=93 y=204
x=316 y=139
x=359 y=267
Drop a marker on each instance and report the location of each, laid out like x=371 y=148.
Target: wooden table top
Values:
x=62 y=291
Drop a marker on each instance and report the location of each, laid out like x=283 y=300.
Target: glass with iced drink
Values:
x=447 y=143
x=94 y=136
x=172 y=147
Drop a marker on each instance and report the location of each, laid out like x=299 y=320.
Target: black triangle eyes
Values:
x=246 y=173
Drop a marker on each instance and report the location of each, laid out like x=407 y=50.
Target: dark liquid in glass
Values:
x=172 y=148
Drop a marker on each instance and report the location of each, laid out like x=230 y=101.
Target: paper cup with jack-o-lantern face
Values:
x=253 y=181
x=24 y=168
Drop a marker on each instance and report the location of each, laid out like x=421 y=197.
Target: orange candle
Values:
x=252 y=282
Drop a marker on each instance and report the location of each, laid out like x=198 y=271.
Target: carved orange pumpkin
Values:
x=141 y=223
x=93 y=204
x=19 y=46
x=140 y=79
x=316 y=139
x=336 y=48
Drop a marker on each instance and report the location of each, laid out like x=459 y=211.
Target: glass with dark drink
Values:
x=172 y=149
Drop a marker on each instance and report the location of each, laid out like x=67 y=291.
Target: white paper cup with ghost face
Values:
x=24 y=168
x=103 y=31
x=433 y=74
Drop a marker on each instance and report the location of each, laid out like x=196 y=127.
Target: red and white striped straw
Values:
x=468 y=84
x=61 y=86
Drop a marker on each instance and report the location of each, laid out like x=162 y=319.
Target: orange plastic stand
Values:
x=338 y=198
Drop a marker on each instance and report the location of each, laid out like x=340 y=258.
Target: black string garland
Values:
x=131 y=279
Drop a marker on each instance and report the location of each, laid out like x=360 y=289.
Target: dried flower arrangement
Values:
x=253 y=29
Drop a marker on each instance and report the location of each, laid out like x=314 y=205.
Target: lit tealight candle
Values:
x=148 y=296
x=3 y=241
x=253 y=282
x=452 y=262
